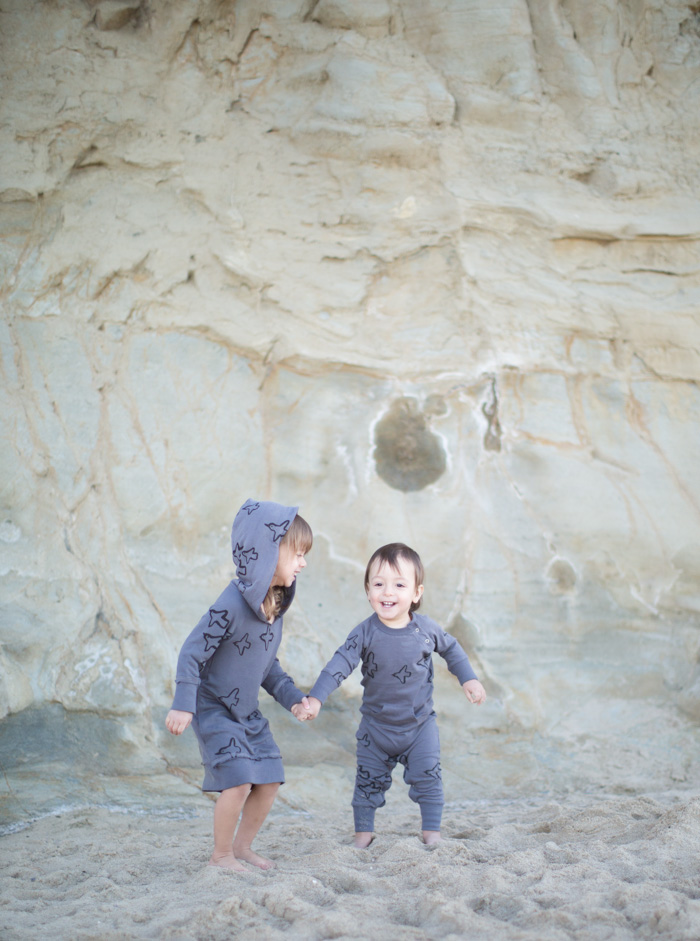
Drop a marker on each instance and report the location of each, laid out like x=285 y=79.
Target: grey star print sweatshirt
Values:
x=397 y=668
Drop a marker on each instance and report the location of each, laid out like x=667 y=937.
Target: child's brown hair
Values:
x=300 y=538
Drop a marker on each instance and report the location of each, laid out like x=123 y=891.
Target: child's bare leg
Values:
x=226 y=813
x=255 y=809
x=430 y=837
x=362 y=839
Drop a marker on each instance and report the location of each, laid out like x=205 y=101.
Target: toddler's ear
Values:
x=419 y=593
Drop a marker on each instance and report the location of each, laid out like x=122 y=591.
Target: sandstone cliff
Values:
x=428 y=268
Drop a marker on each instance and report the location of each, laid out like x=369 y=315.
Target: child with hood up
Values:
x=229 y=655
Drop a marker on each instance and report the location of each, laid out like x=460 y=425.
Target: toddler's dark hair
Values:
x=390 y=555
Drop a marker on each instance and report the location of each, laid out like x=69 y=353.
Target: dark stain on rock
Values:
x=492 y=437
x=407 y=454
x=561 y=576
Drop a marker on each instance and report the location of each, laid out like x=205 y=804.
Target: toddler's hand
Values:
x=307 y=709
x=177 y=721
x=475 y=692
x=313 y=705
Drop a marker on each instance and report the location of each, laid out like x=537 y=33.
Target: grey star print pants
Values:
x=378 y=751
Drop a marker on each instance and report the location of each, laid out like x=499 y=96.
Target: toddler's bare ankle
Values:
x=363 y=839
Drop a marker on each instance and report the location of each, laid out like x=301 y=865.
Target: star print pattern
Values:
x=211 y=641
x=267 y=637
x=243 y=557
x=403 y=674
x=364 y=740
x=426 y=663
x=219 y=619
x=278 y=530
x=219 y=622
x=233 y=749
x=435 y=771
x=351 y=642
x=230 y=699
x=369 y=665
x=243 y=644
x=370 y=785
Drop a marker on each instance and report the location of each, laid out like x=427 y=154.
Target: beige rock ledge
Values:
x=428 y=270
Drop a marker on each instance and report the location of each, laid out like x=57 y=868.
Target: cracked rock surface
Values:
x=428 y=269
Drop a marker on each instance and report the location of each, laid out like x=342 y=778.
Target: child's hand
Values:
x=475 y=692
x=177 y=721
x=299 y=711
x=314 y=706
x=307 y=709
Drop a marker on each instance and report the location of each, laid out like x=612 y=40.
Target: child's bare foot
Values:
x=226 y=861
x=255 y=860
x=431 y=837
x=362 y=839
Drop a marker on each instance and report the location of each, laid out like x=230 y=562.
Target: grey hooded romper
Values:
x=232 y=652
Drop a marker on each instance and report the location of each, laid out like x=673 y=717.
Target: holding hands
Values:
x=475 y=692
x=177 y=721
x=307 y=709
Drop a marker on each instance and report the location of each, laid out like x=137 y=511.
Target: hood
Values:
x=257 y=531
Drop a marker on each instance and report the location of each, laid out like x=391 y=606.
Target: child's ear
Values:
x=418 y=594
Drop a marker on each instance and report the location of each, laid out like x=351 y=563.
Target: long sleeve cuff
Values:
x=289 y=696
x=323 y=687
x=186 y=696
x=464 y=672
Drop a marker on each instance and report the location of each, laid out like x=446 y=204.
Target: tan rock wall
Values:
x=429 y=269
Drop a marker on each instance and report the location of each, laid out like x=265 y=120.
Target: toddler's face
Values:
x=391 y=592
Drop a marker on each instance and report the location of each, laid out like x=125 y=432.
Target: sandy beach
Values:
x=106 y=836
x=533 y=870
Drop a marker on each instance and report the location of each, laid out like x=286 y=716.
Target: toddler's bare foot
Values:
x=431 y=837
x=255 y=860
x=362 y=839
x=226 y=861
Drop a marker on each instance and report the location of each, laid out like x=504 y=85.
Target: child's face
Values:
x=291 y=561
x=391 y=592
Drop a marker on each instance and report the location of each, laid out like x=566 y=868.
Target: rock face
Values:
x=429 y=269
